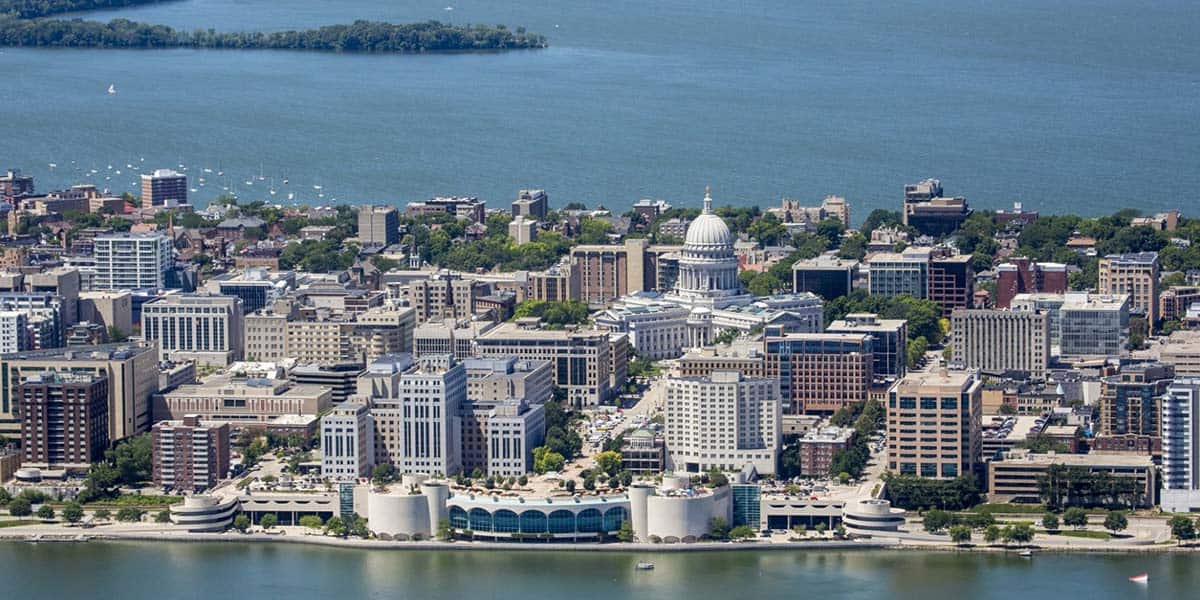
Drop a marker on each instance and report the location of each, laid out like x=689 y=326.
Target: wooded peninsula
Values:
x=22 y=24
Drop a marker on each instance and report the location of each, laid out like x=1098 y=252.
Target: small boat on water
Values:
x=1142 y=578
x=112 y=89
x=1025 y=554
x=645 y=566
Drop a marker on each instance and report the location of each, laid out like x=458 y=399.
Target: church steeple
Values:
x=707 y=200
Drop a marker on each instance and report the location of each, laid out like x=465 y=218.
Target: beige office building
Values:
x=581 y=358
x=132 y=375
x=1136 y=275
x=323 y=342
x=445 y=295
x=108 y=309
x=241 y=401
x=997 y=341
x=934 y=423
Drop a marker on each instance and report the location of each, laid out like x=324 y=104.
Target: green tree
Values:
x=130 y=514
x=241 y=523
x=268 y=521
x=1116 y=521
x=358 y=527
x=1021 y=533
x=937 y=520
x=1050 y=521
x=336 y=526
x=115 y=335
x=444 y=531
x=311 y=522
x=20 y=507
x=1075 y=517
x=163 y=516
x=960 y=534
x=741 y=532
x=132 y=459
x=625 y=534
x=45 y=512
x=992 y=534
x=609 y=462
x=103 y=514
x=718 y=528
x=73 y=512
x=545 y=460
x=383 y=474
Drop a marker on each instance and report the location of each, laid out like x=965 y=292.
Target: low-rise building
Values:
x=1015 y=478
x=817 y=448
x=241 y=402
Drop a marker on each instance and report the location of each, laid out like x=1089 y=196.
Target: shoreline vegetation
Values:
x=23 y=24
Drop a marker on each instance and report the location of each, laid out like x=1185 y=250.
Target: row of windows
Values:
x=590 y=520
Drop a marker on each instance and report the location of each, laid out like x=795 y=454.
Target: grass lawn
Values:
x=18 y=523
x=1091 y=535
x=134 y=500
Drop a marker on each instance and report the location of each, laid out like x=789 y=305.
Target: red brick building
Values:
x=190 y=454
x=64 y=419
x=1025 y=276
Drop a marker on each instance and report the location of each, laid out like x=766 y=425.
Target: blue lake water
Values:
x=1072 y=105
x=166 y=571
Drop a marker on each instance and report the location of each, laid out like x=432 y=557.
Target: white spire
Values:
x=707 y=200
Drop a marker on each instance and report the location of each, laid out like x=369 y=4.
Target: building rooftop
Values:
x=1077 y=460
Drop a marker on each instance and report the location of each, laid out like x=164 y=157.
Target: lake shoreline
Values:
x=436 y=546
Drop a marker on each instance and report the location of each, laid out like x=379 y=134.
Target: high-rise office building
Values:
x=502 y=418
x=164 y=187
x=14 y=185
x=418 y=430
x=926 y=210
x=724 y=421
x=1181 y=447
x=132 y=261
x=893 y=274
x=1134 y=274
x=951 y=282
x=444 y=295
x=347 y=442
x=1131 y=401
x=14 y=332
x=998 y=341
x=532 y=204
x=64 y=419
x=378 y=225
x=189 y=455
x=889 y=346
x=581 y=359
x=207 y=329
x=826 y=276
x=819 y=373
x=130 y=369
x=934 y=424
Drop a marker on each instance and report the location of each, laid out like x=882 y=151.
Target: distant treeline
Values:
x=361 y=36
x=31 y=9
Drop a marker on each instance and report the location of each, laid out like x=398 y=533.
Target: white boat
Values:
x=112 y=89
x=1025 y=554
x=645 y=566
x=53 y=165
x=1142 y=578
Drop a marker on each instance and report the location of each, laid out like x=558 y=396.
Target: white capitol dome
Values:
x=708 y=229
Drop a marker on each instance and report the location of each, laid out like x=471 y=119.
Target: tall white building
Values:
x=347 y=442
x=14 y=332
x=418 y=430
x=1181 y=446
x=131 y=261
x=207 y=329
x=723 y=421
x=514 y=429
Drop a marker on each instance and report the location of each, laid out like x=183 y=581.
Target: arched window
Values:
x=589 y=521
x=562 y=521
x=458 y=518
x=613 y=518
x=533 y=521
x=505 y=521
x=480 y=520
